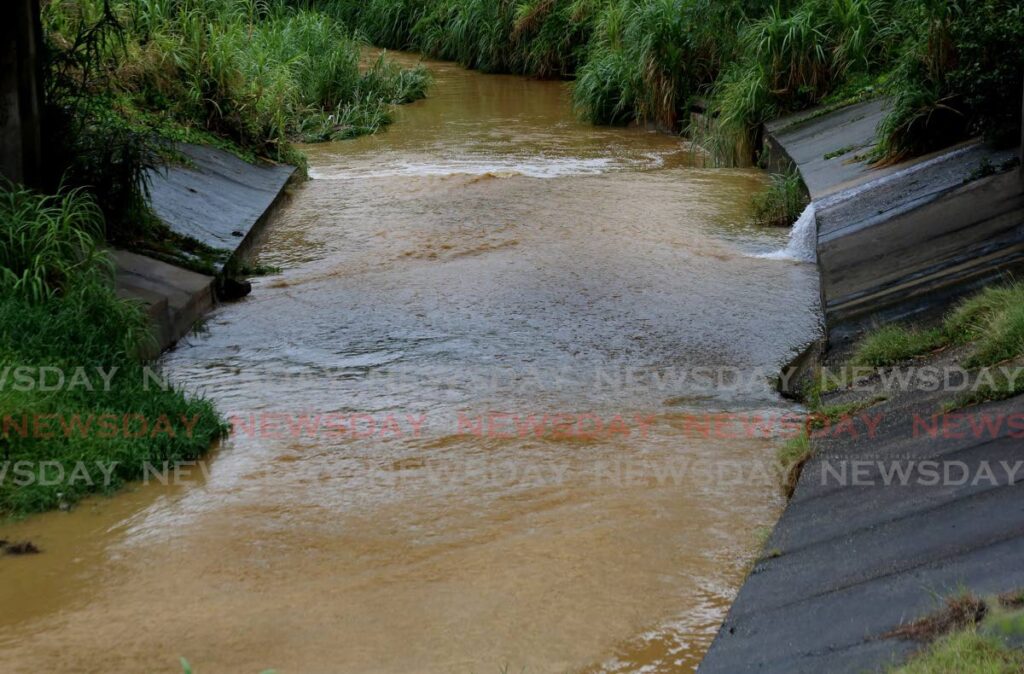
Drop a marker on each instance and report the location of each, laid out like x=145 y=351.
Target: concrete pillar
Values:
x=21 y=95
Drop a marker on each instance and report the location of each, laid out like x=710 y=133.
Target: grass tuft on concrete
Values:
x=782 y=202
x=991 y=321
x=966 y=651
x=895 y=344
x=967 y=634
x=792 y=456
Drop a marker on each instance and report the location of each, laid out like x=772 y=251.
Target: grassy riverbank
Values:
x=952 y=66
x=126 y=78
x=78 y=413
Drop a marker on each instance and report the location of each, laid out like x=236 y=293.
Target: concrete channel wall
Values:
x=904 y=240
x=214 y=198
x=851 y=560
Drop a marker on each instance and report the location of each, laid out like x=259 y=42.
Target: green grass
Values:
x=895 y=344
x=991 y=322
x=966 y=651
x=967 y=634
x=782 y=202
x=126 y=77
x=958 y=72
x=839 y=152
x=58 y=310
x=791 y=457
x=950 y=67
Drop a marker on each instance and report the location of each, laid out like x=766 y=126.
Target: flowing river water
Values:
x=471 y=416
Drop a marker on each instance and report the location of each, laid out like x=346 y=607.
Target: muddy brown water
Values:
x=469 y=419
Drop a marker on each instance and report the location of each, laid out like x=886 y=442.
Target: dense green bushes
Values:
x=259 y=73
x=59 y=312
x=789 y=60
x=960 y=72
x=952 y=66
x=126 y=75
x=254 y=72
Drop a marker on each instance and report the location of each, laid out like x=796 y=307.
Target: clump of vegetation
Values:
x=254 y=72
x=58 y=310
x=965 y=635
x=991 y=321
x=958 y=73
x=966 y=651
x=782 y=202
x=793 y=58
x=793 y=456
x=894 y=344
x=646 y=60
x=958 y=612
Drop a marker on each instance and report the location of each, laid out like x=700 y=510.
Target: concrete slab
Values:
x=808 y=139
x=849 y=563
x=218 y=199
x=174 y=298
x=904 y=240
x=911 y=248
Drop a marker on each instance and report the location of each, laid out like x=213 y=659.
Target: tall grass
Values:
x=960 y=72
x=58 y=310
x=790 y=60
x=782 y=202
x=47 y=242
x=258 y=72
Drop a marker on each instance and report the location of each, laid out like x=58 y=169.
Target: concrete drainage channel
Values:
x=853 y=559
x=216 y=199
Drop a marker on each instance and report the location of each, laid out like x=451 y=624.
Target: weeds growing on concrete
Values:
x=793 y=455
x=966 y=635
x=992 y=322
x=895 y=344
x=966 y=651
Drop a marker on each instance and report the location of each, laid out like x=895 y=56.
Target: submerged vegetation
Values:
x=951 y=66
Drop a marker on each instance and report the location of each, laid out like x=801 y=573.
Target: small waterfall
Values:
x=802 y=245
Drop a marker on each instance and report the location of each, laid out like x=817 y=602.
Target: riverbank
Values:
x=493 y=258
x=218 y=204
x=904 y=497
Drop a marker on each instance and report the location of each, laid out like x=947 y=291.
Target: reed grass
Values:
x=58 y=310
x=948 y=65
x=258 y=72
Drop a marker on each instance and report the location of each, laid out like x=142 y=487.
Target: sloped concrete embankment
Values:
x=902 y=241
x=213 y=198
x=861 y=550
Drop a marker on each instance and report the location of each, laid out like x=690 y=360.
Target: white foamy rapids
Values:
x=803 y=240
x=533 y=167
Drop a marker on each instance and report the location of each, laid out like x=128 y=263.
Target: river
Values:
x=468 y=418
